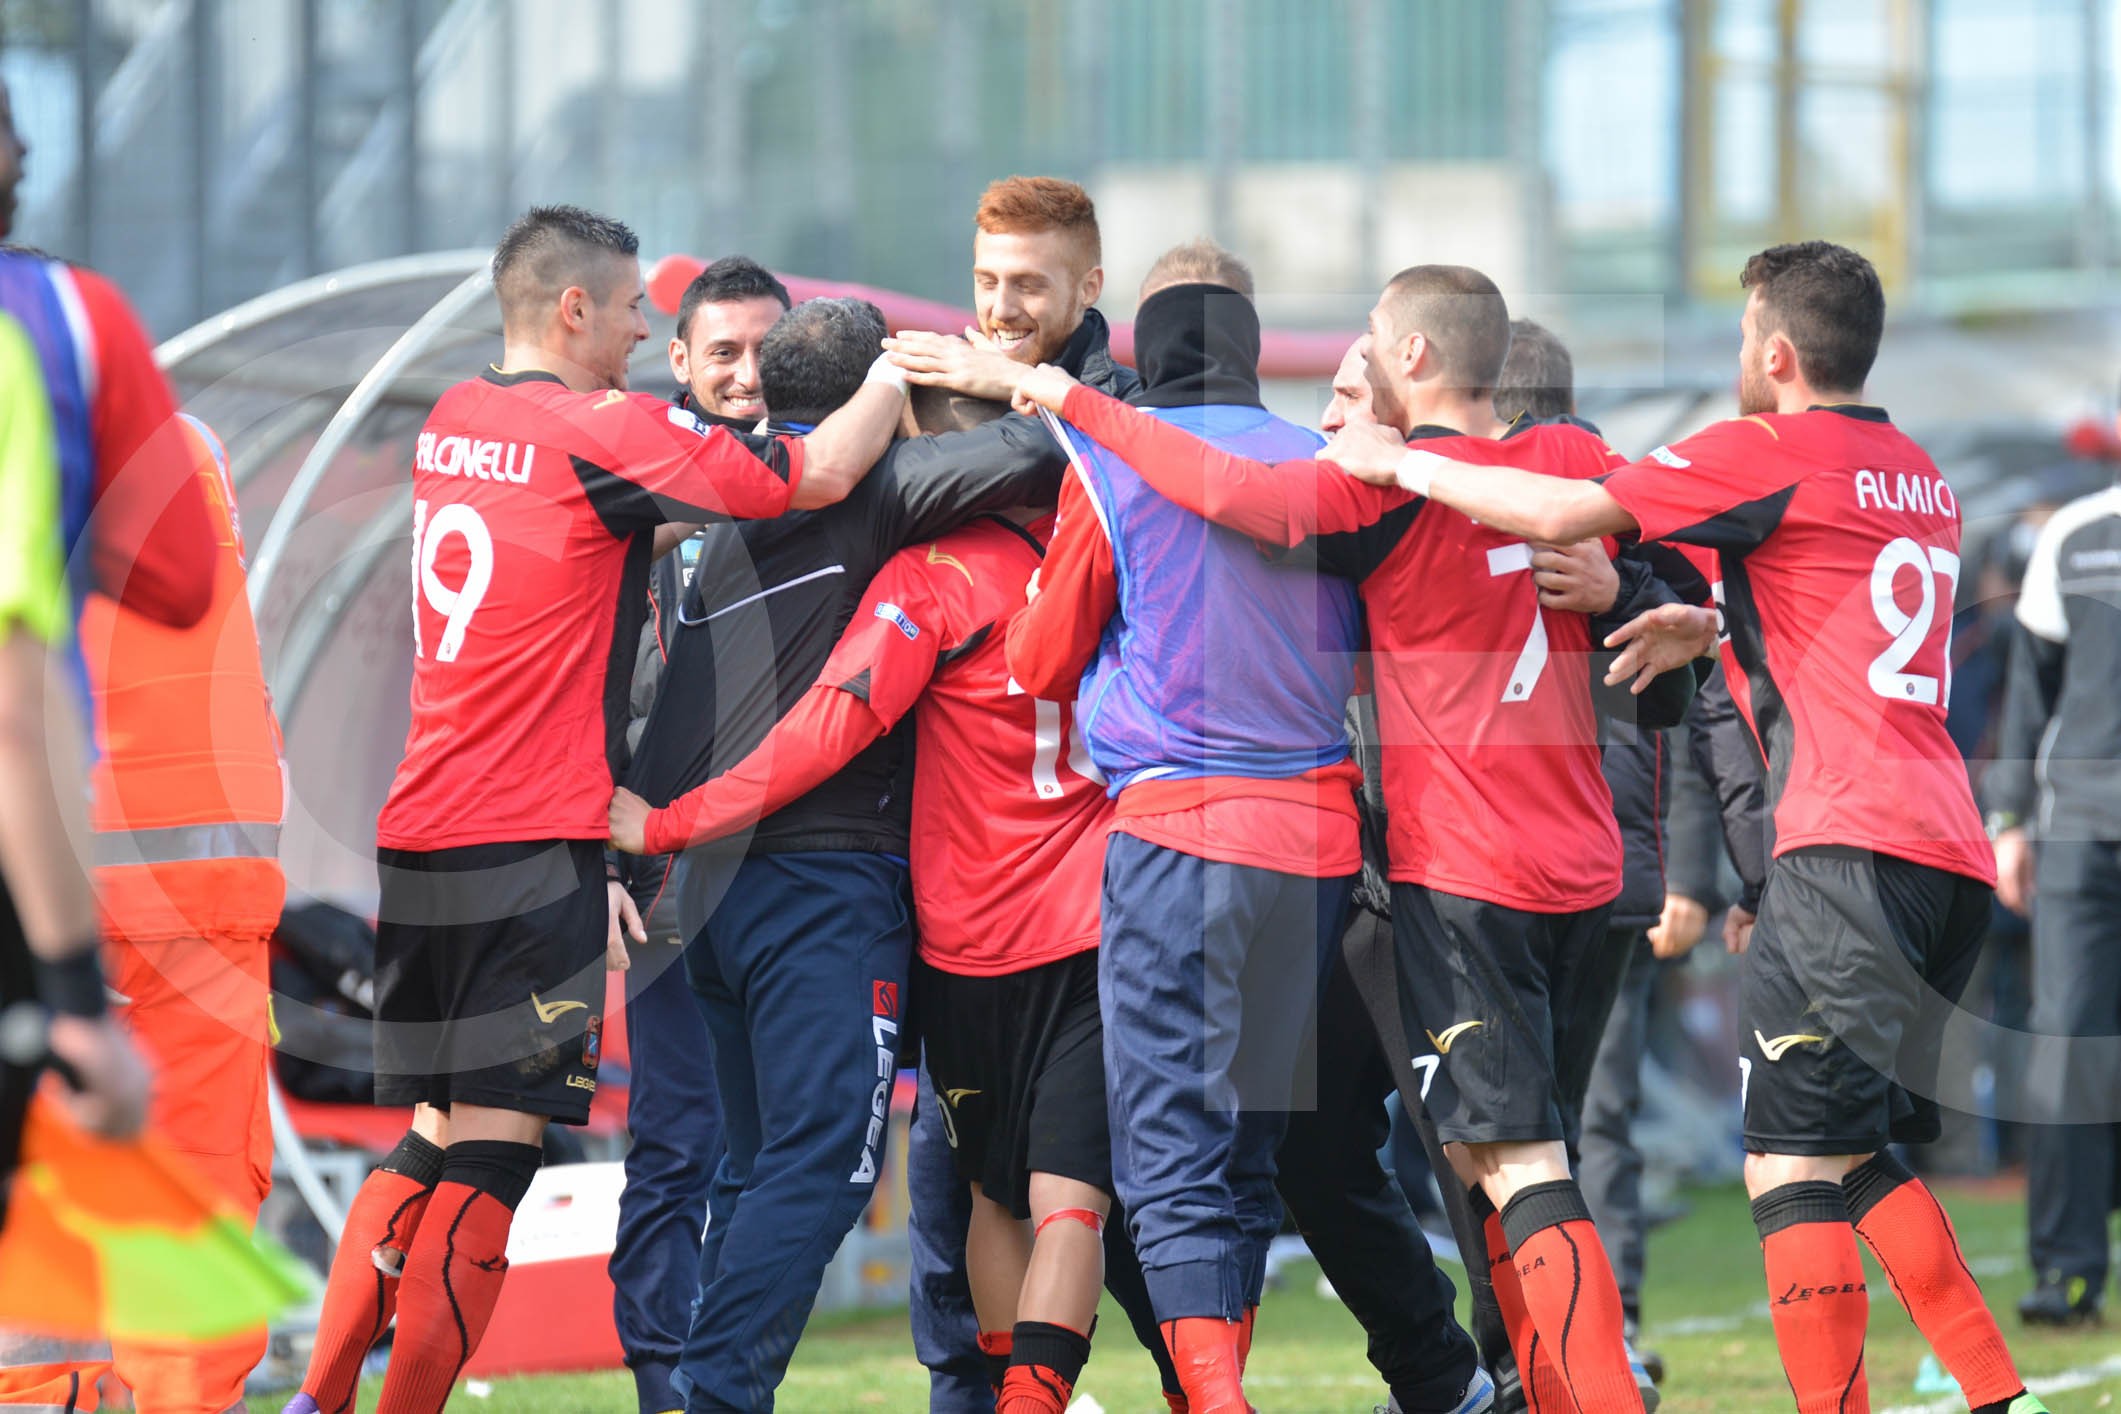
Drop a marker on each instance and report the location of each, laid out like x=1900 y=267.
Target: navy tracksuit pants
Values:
x=799 y=968
x=1355 y=1216
x=1209 y=976
x=674 y=1119
x=939 y=1212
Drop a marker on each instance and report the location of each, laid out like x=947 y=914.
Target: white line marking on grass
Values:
x=2060 y=1383
x=1084 y=1404
x=1711 y=1325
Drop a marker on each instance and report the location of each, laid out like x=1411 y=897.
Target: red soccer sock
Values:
x=361 y=1296
x=1570 y=1292
x=997 y=1346
x=1817 y=1295
x=1044 y=1364
x=1544 y=1390
x=1204 y=1348
x=455 y=1274
x=1912 y=1237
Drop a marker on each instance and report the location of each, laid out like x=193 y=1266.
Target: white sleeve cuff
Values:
x=883 y=370
x=1415 y=468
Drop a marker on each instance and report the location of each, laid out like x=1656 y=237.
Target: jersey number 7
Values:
x=1532 y=658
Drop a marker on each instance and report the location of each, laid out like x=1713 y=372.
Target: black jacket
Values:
x=1719 y=805
x=770 y=598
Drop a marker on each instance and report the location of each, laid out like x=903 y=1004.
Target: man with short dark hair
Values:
x=818 y=887
x=673 y=1118
x=722 y=316
x=813 y=355
x=1879 y=892
x=538 y=487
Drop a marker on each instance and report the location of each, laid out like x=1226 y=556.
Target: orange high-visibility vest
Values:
x=188 y=784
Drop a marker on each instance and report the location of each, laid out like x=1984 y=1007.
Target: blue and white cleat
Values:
x=301 y=1404
x=1479 y=1397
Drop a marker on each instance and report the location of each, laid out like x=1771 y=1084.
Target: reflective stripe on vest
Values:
x=178 y=843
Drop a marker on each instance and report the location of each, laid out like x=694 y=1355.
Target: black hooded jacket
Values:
x=769 y=598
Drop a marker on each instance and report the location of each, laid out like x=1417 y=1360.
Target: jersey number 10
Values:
x=1050 y=733
x=456 y=606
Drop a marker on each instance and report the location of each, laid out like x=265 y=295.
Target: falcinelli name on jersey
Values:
x=472 y=456
x=1917 y=492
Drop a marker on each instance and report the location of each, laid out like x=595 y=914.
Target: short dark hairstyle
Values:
x=1538 y=378
x=815 y=356
x=1463 y=315
x=1827 y=299
x=733 y=277
x=550 y=248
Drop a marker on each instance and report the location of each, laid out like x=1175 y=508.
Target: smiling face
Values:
x=719 y=358
x=1030 y=290
x=607 y=325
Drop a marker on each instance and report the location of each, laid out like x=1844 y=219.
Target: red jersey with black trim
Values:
x=1009 y=816
x=1839 y=545
x=529 y=570
x=1489 y=734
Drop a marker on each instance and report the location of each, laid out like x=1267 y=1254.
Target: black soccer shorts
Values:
x=1481 y=990
x=490 y=976
x=1856 y=964
x=1018 y=1063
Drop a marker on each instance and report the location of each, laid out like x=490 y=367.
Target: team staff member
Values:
x=2057 y=777
x=823 y=879
x=673 y=1118
x=1448 y=647
x=1228 y=871
x=539 y=487
x=1833 y=531
x=187 y=809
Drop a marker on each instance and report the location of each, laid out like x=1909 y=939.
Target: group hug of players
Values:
x=1124 y=621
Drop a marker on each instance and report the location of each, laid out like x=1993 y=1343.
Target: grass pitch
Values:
x=1706 y=1312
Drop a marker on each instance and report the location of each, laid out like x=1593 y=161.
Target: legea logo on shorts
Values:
x=883 y=1030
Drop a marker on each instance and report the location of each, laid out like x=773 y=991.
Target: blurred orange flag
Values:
x=121 y=1239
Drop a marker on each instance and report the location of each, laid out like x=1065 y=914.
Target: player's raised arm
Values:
x=1544 y=509
x=1282 y=503
x=876 y=672
x=845 y=445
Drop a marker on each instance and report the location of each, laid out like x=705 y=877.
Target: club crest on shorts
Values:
x=592 y=1043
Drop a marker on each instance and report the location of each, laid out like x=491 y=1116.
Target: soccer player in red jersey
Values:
x=1504 y=853
x=539 y=488
x=1839 y=549
x=1008 y=842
